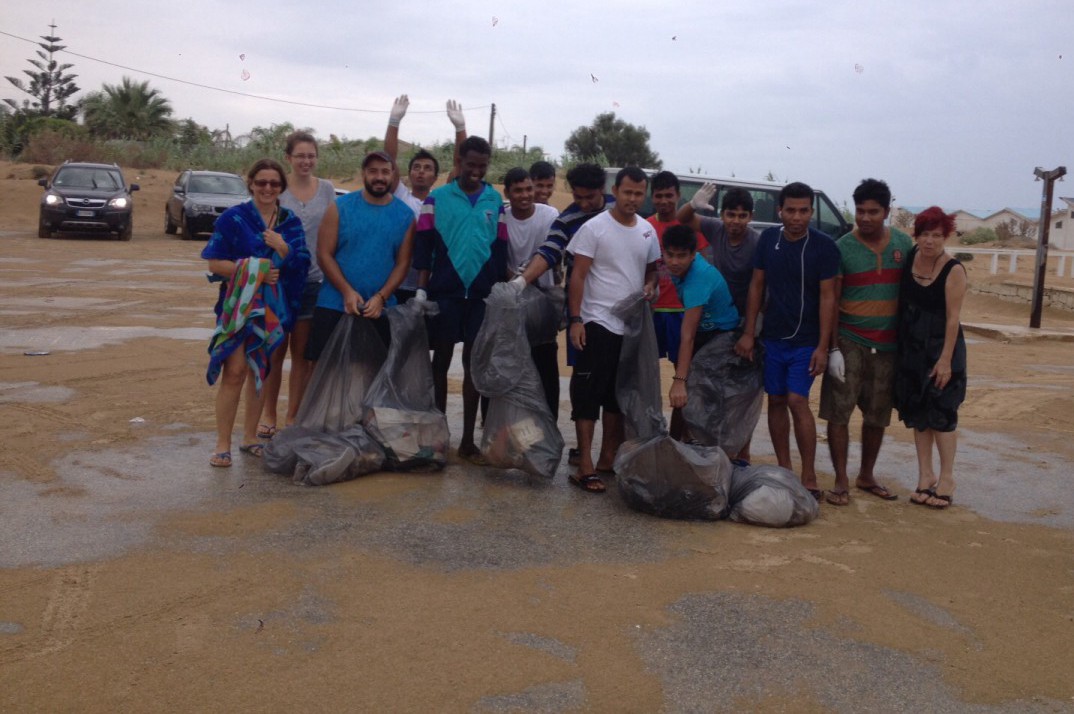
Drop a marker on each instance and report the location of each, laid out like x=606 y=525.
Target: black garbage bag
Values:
x=543 y=310
x=637 y=383
x=724 y=394
x=519 y=431
x=670 y=479
x=327 y=458
x=773 y=496
x=349 y=363
x=400 y=408
x=657 y=474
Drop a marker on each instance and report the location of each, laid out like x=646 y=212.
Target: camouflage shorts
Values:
x=870 y=377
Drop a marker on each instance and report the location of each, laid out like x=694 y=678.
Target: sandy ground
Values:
x=135 y=577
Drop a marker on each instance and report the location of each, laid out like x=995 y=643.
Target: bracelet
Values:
x=679 y=379
x=576 y=320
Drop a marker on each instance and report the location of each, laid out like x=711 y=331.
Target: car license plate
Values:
x=84 y=214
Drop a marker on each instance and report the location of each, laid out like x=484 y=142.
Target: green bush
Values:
x=979 y=235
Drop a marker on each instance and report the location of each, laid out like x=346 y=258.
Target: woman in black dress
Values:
x=930 y=377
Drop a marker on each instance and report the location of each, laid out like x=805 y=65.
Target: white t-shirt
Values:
x=620 y=256
x=525 y=235
x=410 y=282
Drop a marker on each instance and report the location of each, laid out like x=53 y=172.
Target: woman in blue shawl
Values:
x=254 y=315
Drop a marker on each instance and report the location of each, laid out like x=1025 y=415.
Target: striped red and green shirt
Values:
x=870 y=294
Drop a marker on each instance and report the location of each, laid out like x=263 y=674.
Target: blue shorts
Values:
x=668 y=333
x=459 y=321
x=786 y=368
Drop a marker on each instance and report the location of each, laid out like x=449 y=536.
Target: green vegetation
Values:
x=978 y=235
x=615 y=141
x=131 y=124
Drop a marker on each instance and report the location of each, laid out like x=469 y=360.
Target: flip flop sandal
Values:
x=878 y=491
x=816 y=493
x=221 y=460
x=254 y=450
x=266 y=431
x=574 y=457
x=590 y=483
x=948 y=500
x=838 y=498
x=927 y=492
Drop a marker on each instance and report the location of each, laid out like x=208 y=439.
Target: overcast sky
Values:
x=951 y=102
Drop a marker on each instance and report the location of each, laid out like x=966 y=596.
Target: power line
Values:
x=232 y=91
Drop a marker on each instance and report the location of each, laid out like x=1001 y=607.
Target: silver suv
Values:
x=826 y=217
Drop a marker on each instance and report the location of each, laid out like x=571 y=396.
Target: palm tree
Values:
x=128 y=110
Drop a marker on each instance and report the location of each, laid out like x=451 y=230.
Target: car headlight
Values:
x=199 y=208
x=119 y=202
x=52 y=199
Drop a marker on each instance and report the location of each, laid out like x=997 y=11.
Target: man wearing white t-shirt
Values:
x=615 y=256
x=528 y=223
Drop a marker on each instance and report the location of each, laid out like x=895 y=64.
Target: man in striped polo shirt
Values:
x=862 y=355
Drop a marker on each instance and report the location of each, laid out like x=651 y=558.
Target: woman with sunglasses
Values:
x=247 y=335
x=308 y=197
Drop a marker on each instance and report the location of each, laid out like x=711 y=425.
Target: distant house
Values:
x=1061 y=226
x=969 y=220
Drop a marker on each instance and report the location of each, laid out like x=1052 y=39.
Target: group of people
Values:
x=875 y=312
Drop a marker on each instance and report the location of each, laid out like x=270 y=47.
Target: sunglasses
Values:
x=261 y=183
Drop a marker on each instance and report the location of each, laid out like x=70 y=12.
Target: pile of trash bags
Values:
x=655 y=473
x=367 y=408
x=664 y=477
x=724 y=394
x=519 y=430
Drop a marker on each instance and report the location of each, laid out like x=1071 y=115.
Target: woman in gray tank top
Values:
x=309 y=197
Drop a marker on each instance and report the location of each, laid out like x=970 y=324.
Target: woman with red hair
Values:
x=930 y=376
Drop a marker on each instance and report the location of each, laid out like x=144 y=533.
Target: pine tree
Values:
x=49 y=85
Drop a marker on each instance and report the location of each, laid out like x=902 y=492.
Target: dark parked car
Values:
x=86 y=197
x=198 y=198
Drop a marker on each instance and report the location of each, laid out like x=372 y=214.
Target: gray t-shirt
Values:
x=735 y=262
x=311 y=213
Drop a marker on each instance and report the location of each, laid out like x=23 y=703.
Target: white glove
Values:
x=702 y=200
x=420 y=295
x=399 y=108
x=518 y=284
x=837 y=366
x=454 y=113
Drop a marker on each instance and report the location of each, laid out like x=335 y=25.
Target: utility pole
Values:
x=1049 y=178
x=492 y=122
x=524 y=137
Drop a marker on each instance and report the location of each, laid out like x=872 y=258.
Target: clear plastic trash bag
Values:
x=767 y=495
x=348 y=365
x=322 y=459
x=655 y=473
x=724 y=394
x=670 y=479
x=519 y=431
x=543 y=310
x=400 y=408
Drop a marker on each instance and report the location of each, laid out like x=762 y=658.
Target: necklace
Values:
x=928 y=277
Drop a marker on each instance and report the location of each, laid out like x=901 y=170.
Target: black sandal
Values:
x=929 y=492
x=948 y=500
x=590 y=483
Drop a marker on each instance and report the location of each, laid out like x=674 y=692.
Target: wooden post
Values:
x=1049 y=178
x=492 y=122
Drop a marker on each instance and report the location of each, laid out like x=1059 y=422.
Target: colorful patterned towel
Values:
x=250 y=317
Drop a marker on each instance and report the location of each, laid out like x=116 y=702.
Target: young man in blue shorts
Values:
x=798 y=266
x=706 y=300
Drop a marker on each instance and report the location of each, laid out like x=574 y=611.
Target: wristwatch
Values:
x=575 y=320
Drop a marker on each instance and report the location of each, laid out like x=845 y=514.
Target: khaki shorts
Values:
x=870 y=378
